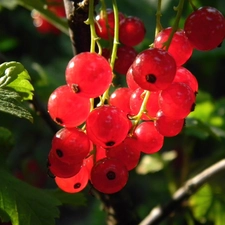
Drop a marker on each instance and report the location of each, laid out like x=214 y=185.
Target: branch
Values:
x=77 y=14
x=158 y=214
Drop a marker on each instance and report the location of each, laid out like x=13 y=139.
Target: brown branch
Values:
x=158 y=214
x=77 y=14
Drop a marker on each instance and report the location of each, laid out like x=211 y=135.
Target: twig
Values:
x=158 y=214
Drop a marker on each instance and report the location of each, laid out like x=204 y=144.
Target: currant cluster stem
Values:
x=158 y=27
x=179 y=10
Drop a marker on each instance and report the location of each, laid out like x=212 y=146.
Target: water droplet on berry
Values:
x=111 y=175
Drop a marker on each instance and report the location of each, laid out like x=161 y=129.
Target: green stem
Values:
x=158 y=27
x=179 y=10
x=192 y=5
x=38 y=5
x=142 y=110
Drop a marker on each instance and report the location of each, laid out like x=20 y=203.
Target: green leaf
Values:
x=201 y=202
x=24 y=204
x=13 y=75
x=9 y=104
x=77 y=199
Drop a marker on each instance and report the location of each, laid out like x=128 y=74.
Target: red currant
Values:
x=131 y=31
x=154 y=69
x=75 y=183
x=89 y=74
x=67 y=108
x=130 y=80
x=168 y=126
x=180 y=47
x=107 y=126
x=125 y=57
x=177 y=100
x=149 y=139
x=109 y=175
x=205 y=28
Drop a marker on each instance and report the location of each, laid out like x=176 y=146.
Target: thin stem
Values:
x=158 y=27
x=142 y=110
x=179 y=10
x=192 y=5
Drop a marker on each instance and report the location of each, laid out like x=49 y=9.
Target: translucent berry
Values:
x=149 y=139
x=125 y=57
x=185 y=76
x=168 y=126
x=62 y=169
x=107 y=126
x=67 y=108
x=131 y=83
x=136 y=101
x=154 y=69
x=121 y=99
x=89 y=74
x=104 y=24
x=128 y=152
x=180 y=47
x=70 y=145
x=205 y=28
x=131 y=31
x=109 y=175
x=177 y=100
x=75 y=183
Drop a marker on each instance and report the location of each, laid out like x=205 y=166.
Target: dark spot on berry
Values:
x=151 y=78
x=220 y=45
x=110 y=143
x=75 y=88
x=77 y=185
x=111 y=175
x=58 y=120
x=195 y=93
x=193 y=107
x=59 y=153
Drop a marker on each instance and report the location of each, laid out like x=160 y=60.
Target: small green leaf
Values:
x=9 y=104
x=77 y=199
x=13 y=75
x=24 y=204
x=201 y=202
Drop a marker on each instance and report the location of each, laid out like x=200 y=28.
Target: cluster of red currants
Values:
x=102 y=144
x=42 y=25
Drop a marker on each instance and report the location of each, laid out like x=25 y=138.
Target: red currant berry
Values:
x=67 y=108
x=185 y=76
x=180 y=47
x=168 y=126
x=131 y=31
x=154 y=69
x=75 y=183
x=152 y=105
x=107 y=126
x=177 y=100
x=109 y=175
x=149 y=139
x=121 y=99
x=70 y=145
x=205 y=28
x=89 y=74
x=130 y=80
x=62 y=169
x=125 y=57
x=104 y=24
x=128 y=152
